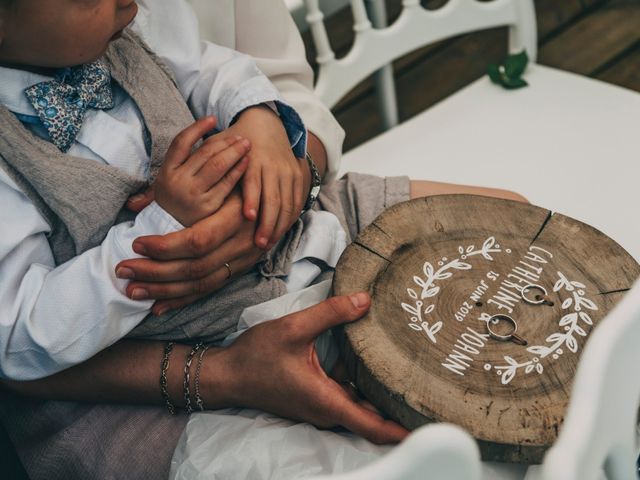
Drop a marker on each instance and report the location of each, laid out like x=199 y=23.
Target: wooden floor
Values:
x=597 y=38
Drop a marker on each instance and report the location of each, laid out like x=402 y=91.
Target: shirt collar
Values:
x=13 y=82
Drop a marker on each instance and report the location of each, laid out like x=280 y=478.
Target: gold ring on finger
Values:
x=229 y=272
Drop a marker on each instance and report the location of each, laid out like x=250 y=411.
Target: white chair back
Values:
x=439 y=451
x=416 y=27
x=600 y=426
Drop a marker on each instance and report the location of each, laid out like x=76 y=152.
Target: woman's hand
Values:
x=276 y=183
x=184 y=266
x=274 y=367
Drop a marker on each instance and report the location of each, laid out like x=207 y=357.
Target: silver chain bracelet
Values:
x=199 y=402
x=187 y=373
x=163 y=378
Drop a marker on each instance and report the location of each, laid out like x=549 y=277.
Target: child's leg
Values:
x=426 y=188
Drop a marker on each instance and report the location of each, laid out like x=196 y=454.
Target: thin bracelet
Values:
x=168 y=347
x=199 y=402
x=187 y=374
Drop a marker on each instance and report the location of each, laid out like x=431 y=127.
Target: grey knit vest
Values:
x=82 y=199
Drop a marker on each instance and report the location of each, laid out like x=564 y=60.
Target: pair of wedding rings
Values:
x=512 y=329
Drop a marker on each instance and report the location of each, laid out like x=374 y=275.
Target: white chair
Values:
x=566 y=142
x=600 y=427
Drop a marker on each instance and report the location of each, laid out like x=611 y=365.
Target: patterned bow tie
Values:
x=61 y=103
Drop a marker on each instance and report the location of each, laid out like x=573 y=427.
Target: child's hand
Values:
x=276 y=183
x=193 y=184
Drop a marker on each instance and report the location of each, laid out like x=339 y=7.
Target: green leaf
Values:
x=515 y=65
x=494 y=74
x=513 y=83
x=509 y=75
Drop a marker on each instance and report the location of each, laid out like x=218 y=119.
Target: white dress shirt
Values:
x=55 y=317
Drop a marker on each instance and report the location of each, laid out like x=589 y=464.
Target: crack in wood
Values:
x=372 y=251
x=542 y=227
x=381 y=229
x=620 y=290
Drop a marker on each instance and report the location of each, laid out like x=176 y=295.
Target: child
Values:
x=63 y=181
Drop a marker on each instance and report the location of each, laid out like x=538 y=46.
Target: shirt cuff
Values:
x=294 y=127
x=293 y=124
x=152 y=220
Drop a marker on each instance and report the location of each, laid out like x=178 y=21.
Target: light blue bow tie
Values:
x=61 y=103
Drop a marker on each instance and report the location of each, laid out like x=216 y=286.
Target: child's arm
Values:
x=53 y=317
x=224 y=83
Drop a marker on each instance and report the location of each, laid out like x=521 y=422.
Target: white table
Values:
x=566 y=142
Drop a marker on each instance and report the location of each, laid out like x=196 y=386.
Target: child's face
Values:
x=60 y=33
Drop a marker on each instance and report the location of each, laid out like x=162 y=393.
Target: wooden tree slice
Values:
x=438 y=268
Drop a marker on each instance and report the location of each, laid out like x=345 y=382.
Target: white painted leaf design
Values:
x=539 y=368
x=567 y=303
x=407 y=307
x=572 y=344
x=510 y=360
x=586 y=318
x=529 y=368
x=539 y=350
x=444 y=275
x=578 y=284
x=419 y=281
x=585 y=302
x=470 y=248
x=461 y=249
x=428 y=269
x=579 y=331
x=462 y=266
x=568 y=318
x=554 y=337
x=488 y=243
x=558 y=285
x=436 y=327
x=429 y=309
x=415 y=327
x=508 y=375
x=412 y=293
x=431 y=292
x=429 y=331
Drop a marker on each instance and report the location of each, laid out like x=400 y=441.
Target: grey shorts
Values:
x=357 y=199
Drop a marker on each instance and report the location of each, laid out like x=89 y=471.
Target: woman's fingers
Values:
x=196 y=241
x=183 y=143
x=137 y=290
x=368 y=424
x=148 y=270
x=163 y=306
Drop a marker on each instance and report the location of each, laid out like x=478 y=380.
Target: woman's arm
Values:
x=280 y=352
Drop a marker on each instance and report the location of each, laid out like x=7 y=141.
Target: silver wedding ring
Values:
x=537 y=299
x=229 y=272
x=509 y=337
